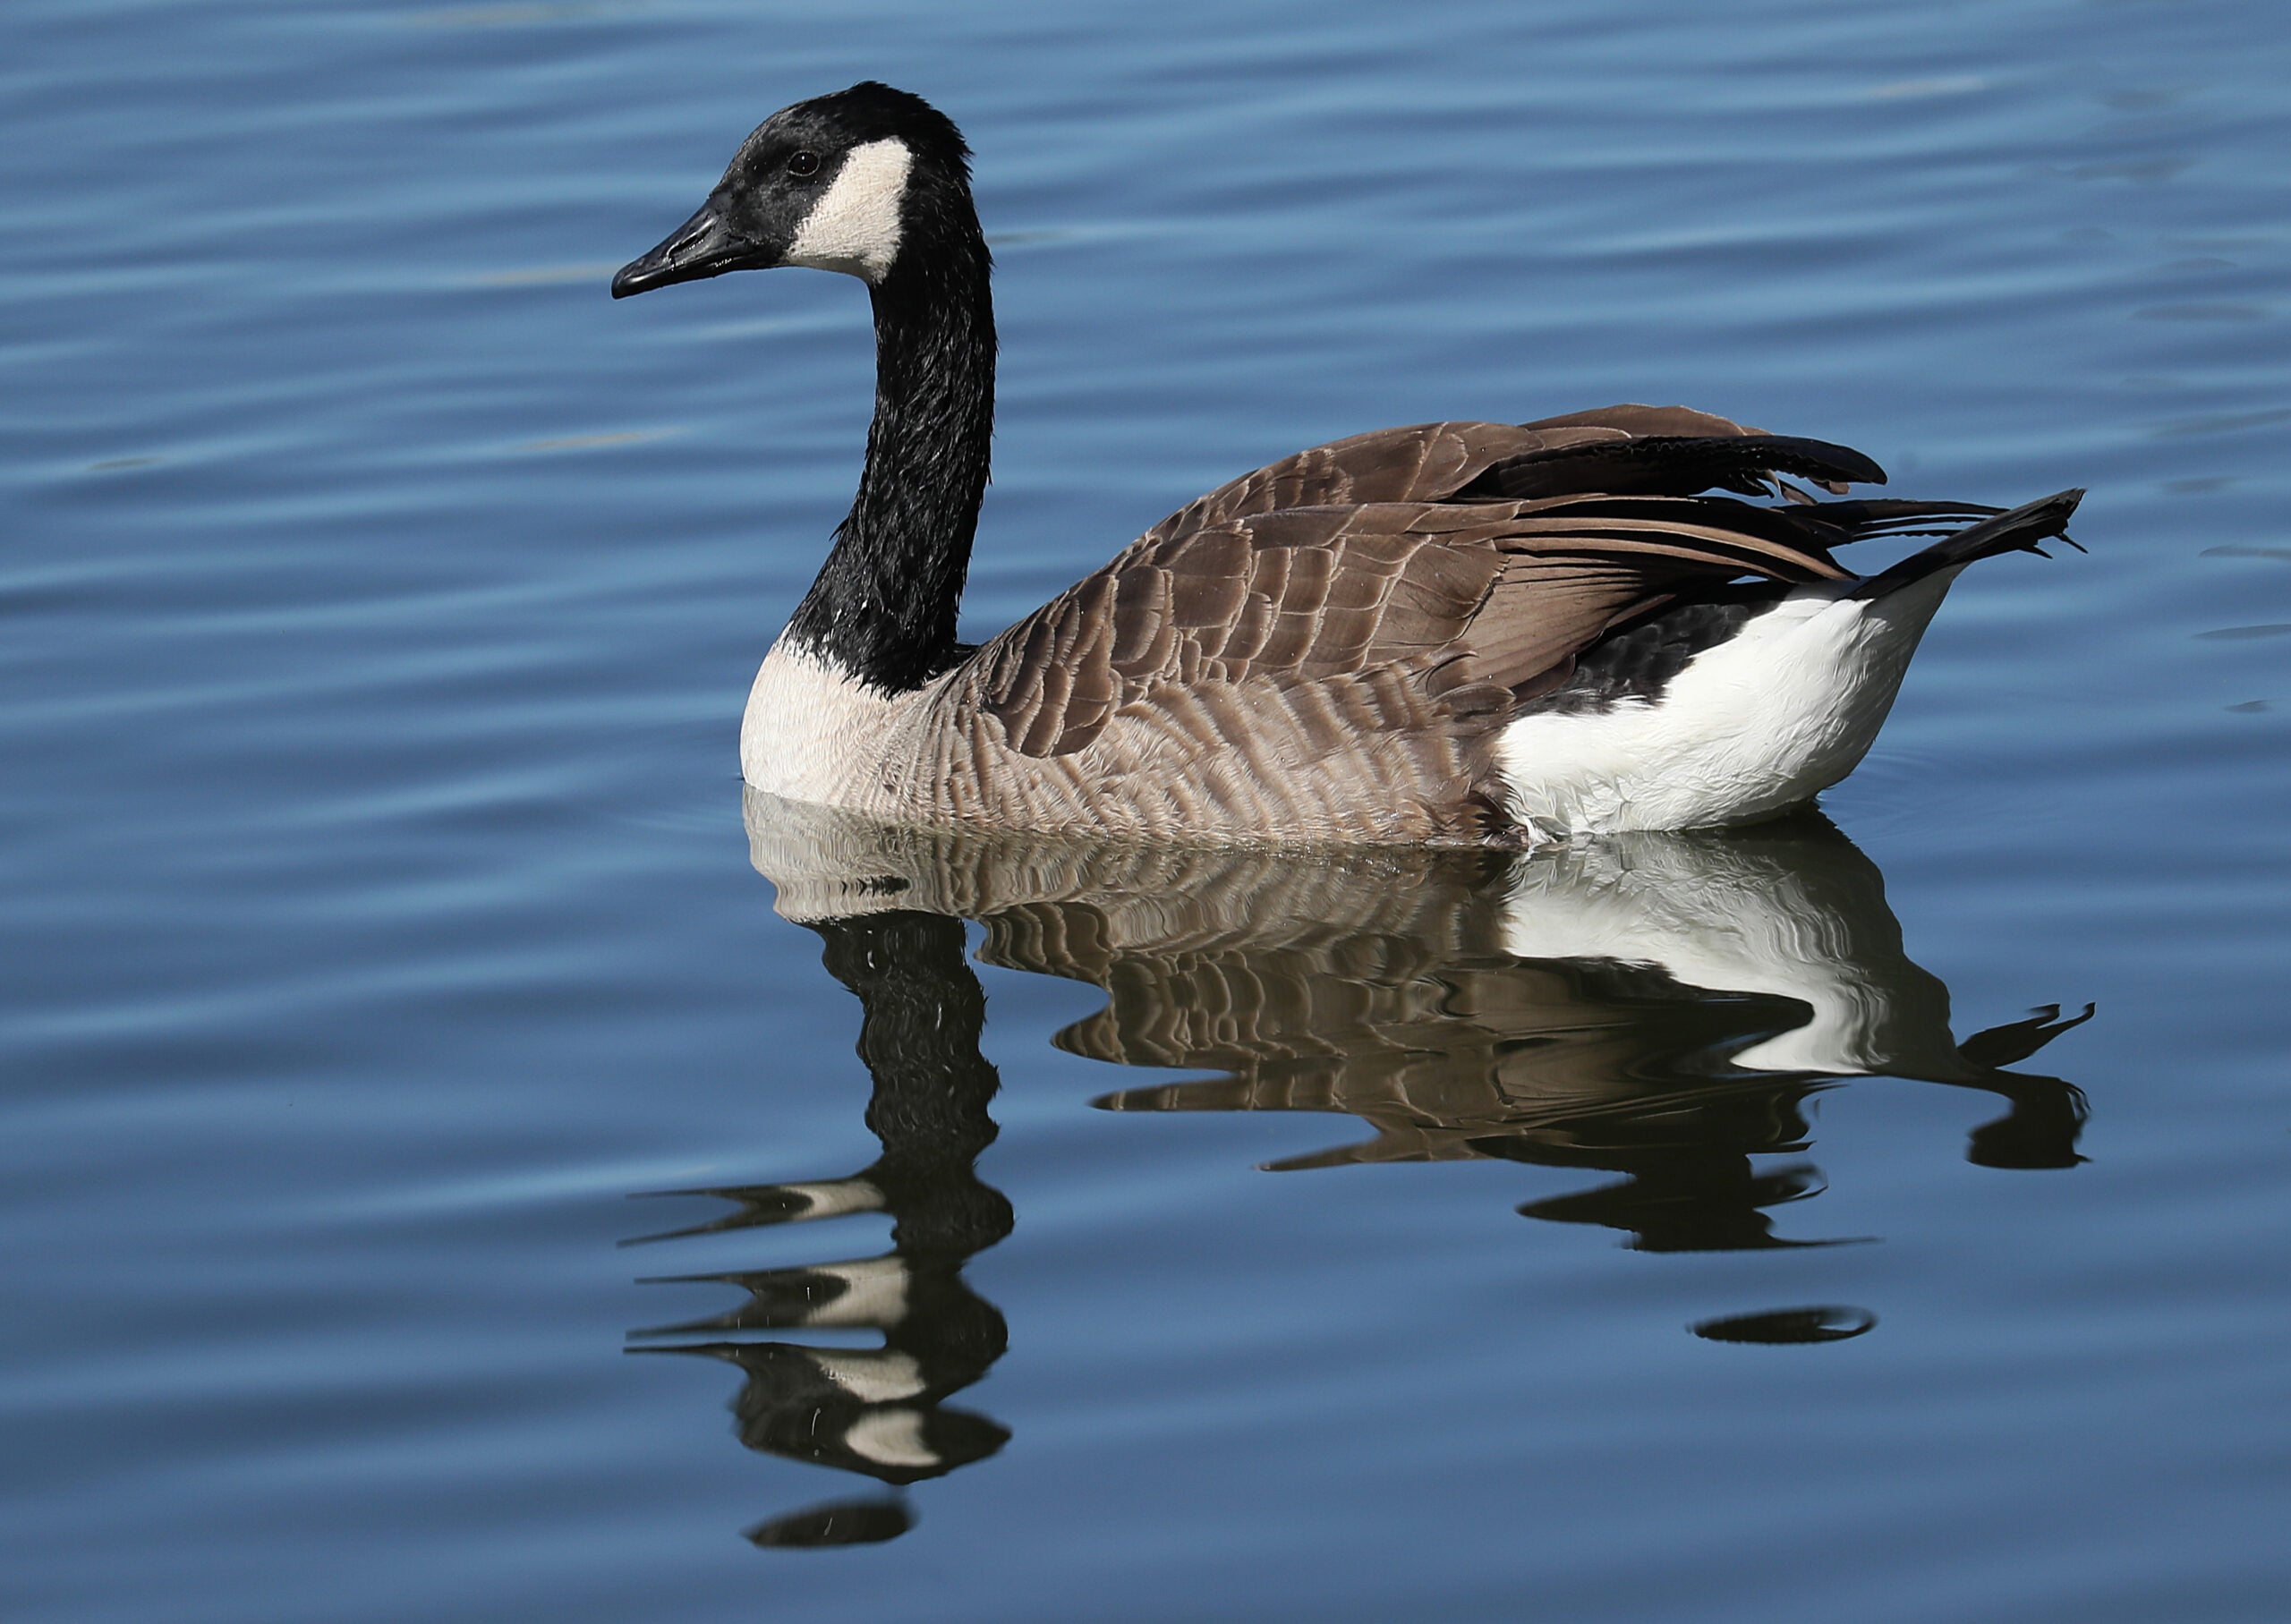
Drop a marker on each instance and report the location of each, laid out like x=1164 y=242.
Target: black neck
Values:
x=883 y=606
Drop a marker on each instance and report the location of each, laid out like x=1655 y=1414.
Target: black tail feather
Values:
x=1890 y=515
x=2019 y=530
x=1840 y=523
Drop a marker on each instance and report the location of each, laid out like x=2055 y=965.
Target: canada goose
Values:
x=1449 y=633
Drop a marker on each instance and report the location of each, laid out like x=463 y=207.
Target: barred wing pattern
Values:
x=1326 y=647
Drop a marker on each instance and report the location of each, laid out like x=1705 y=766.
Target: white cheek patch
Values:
x=855 y=226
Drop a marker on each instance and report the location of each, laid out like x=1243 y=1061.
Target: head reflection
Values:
x=1655 y=1008
x=878 y=1412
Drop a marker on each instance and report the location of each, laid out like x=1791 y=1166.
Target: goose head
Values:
x=841 y=183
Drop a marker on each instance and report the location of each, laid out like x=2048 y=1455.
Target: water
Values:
x=385 y=949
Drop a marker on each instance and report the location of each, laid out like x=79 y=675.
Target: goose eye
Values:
x=803 y=165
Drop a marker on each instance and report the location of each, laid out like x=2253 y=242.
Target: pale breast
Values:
x=812 y=732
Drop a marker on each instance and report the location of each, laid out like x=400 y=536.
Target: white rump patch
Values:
x=855 y=226
x=1724 y=918
x=1786 y=708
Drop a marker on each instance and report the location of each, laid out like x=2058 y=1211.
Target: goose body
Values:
x=1459 y=632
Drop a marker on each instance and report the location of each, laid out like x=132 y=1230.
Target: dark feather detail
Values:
x=2017 y=532
x=1673 y=465
x=2016 y=1041
x=1640 y=661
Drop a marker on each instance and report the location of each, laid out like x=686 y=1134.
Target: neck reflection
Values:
x=1659 y=1008
x=877 y=1412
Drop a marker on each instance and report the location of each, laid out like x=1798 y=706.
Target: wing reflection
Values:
x=1659 y=1008
x=1655 y=1006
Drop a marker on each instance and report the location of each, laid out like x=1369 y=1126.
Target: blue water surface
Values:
x=384 y=938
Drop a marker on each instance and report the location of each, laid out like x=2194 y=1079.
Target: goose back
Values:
x=1327 y=648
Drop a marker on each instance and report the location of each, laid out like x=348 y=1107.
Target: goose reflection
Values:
x=1656 y=1006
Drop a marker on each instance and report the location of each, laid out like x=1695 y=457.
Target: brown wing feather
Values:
x=1644 y=421
x=1426 y=462
x=1420 y=463
x=1302 y=592
x=1487 y=592
x=1329 y=643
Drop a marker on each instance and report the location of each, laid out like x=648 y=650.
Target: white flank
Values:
x=811 y=728
x=1721 y=919
x=1786 y=708
x=855 y=227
